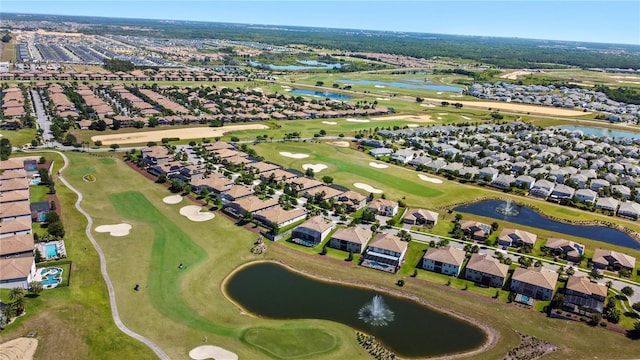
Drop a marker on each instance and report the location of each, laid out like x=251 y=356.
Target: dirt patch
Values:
x=544 y=110
x=412 y=118
x=187 y=133
x=18 y=349
x=530 y=348
x=339 y=143
x=514 y=75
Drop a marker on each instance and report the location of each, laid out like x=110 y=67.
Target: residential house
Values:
x=17 y=210
x=312 y=232
x=17 y=246
x=542 y=189
x=403 y=156
x=446 y=260
x=215 y=184
x=586 y=196
x=525 y=182
x=252 y=204
x=561 y=192
x=39 y=210
x=155 y=155
x=236 y=192
x=584 y=296
x=607 y=203
x=488 y=174
x=503 y=181
x=516 y=238
x=486 y=270
x=475 y=230
x=384 y=207
x=629 y=209
x=17 y=272
x=380 y=152
x=538 y=282
x=353 y=200
x=352 y=239
x=609 y=259
x=13 y=227
x=277 y=217
x=421 y=217
x=570 y=250
x=385 y=252
x=623 y=190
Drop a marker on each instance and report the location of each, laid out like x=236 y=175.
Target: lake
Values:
x=600 y=132
x=273 y=291
x=402 y=85
x=322 y=94
x=306 y=65
x=530 y=217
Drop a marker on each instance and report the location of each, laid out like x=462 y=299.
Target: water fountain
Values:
x=507 y=209
x=376 y=312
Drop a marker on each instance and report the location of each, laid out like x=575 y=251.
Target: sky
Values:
x=589 y=21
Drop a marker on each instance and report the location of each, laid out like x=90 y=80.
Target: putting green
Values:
x=290 y=342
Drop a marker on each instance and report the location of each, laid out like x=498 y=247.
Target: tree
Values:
x=6 y=37
x=627 y=290
x=327 y=179
x=51 y=217
x=595 y=274
x=162 y=178
x=494 y=226
x=350 y=256
x=636 y=306
x=56 y=229
x=97 y=143
x=5 y=149
x=35 y=287
x=114 y=147
x=570 y=271
x=309 y=173
x=16 y=296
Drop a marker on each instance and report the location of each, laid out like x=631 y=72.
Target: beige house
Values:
x=583 y=295
x=446 y=260
x=352 y=239
x=614 y=260
x=516 y=238
x=384 y=207
x=421 y=217
x=571 y=250
x=385 y=252
x=280 y=217
x=312 y=232
x=486 y=270
x=537 y=283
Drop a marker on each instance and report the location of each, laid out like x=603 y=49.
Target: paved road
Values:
x=41 y=118
x=103 y=269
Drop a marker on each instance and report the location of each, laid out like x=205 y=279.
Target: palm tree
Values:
x=570 y=271
x=595 y=274
x=16 y=295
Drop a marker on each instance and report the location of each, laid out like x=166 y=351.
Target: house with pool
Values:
x=279 y=217
x=385 y=252
x=312 y=232
x=534 y=283
x=17 y=272
x=446 y=260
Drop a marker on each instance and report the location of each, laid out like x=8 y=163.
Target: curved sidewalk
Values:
x=103 y=269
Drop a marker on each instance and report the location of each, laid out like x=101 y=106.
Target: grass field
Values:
x=19 y=137
x=178 y=308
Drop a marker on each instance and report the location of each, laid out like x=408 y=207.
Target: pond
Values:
x=271 y=290
x=529 y=217
x=600 y=132
x=322 y=94
x=402 y=85
x=306 y=65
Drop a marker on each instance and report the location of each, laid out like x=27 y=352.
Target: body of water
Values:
x=402 y=85
x=273 y=291
x=530 y=217
x=600 y=132
x=306 y=65
x=322 y=94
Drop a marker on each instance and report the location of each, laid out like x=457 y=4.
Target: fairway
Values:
x=285 y=343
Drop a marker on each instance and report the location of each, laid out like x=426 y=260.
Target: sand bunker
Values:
x=172 y=199
x=383 y=99
x=185 y=133
x=358 y=120
x=211 y=352
x=514 y=75
x=192 y=212
x=19 y=349
x=330 y=122
x=115 y=230
x=443 y=113
x=466 y=117
x=413 y=118
x=293 y=156
x=413 y=125
x=315 y=167
x=339 y=143
x=367 y=188
x=428 y=105
x=429 y=179
x=378 y=165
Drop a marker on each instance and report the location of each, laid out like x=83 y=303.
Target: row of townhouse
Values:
x=581 y=294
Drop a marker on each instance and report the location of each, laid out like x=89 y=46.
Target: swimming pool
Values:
x=50 y=250
x=50 y=277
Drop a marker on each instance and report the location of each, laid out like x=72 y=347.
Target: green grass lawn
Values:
x=19 y=137
x=178 y=308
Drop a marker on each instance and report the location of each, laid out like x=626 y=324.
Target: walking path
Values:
x=103 y=269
